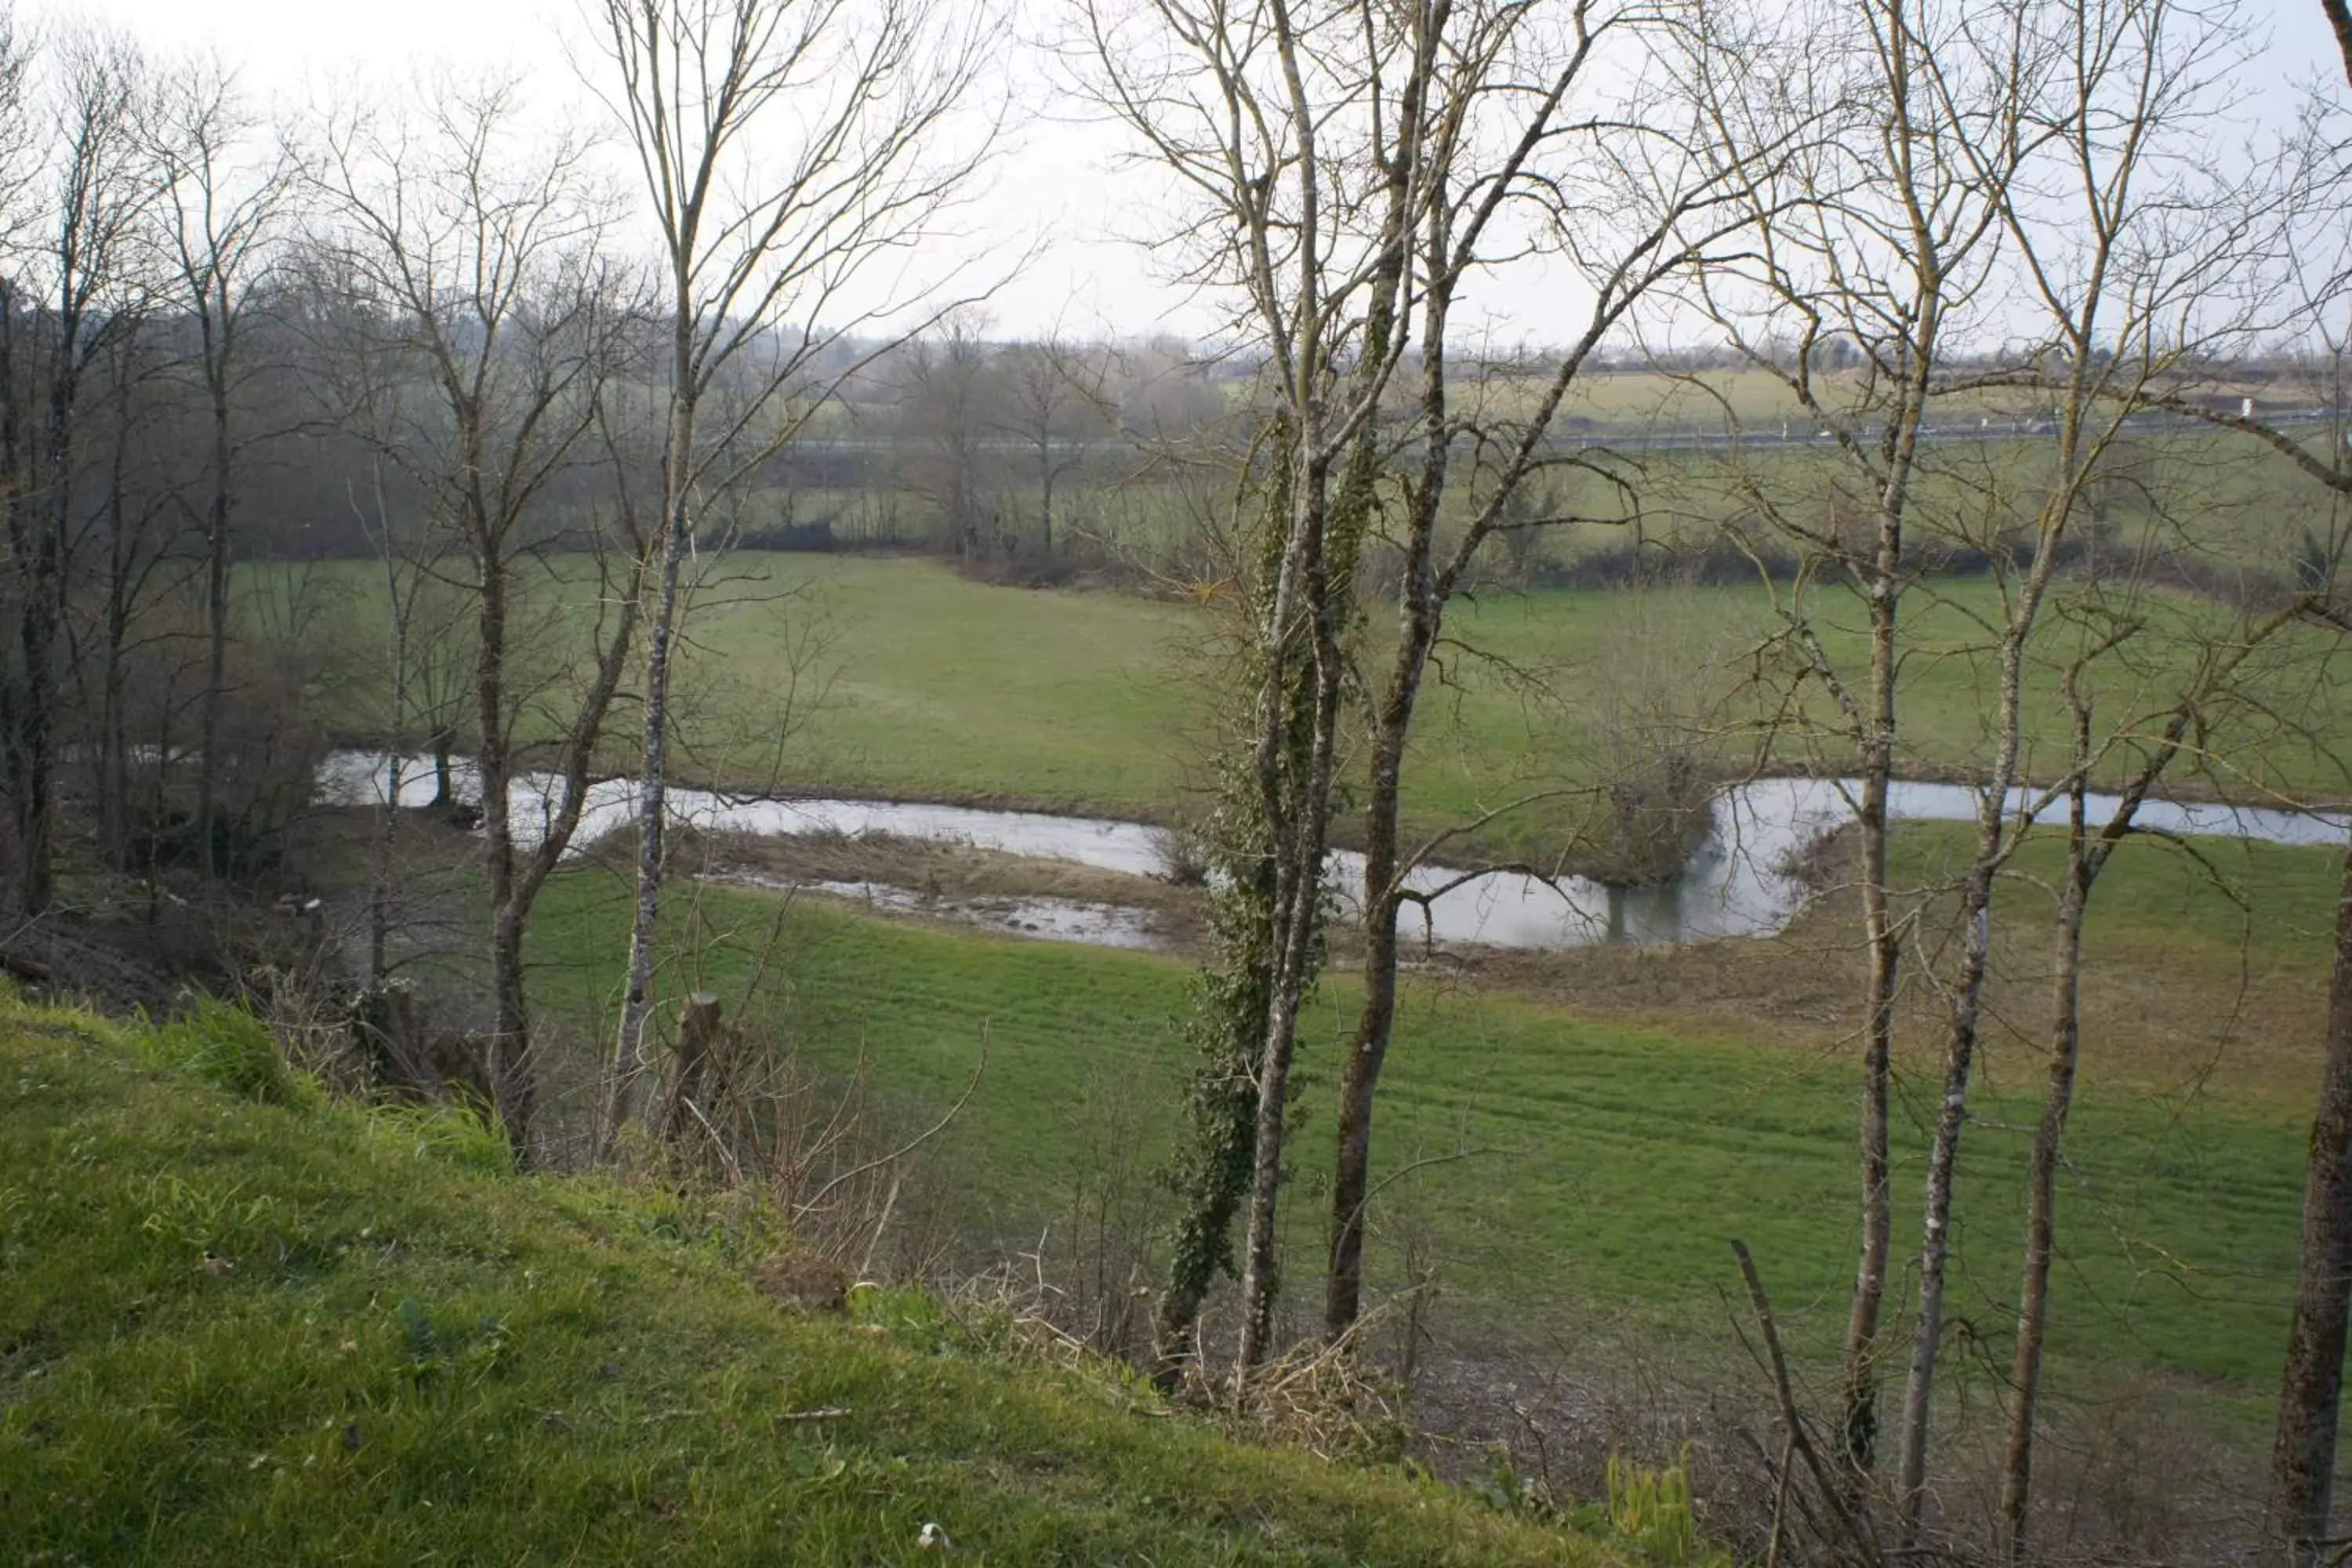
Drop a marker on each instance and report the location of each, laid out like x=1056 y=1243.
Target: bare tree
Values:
x=2016 y=162
x=2096 y=97
x=1509 y=117
x=124 y=556
x=785 y=147
x=19 y=206
x=1880 y=235
x=227 y=186
x=99 y=196
x=427 y=661
x=2310 y=274
x=1298 y=138
x=477 y=253
x=1053 y=400
x=2127 y=291
x=948 y=384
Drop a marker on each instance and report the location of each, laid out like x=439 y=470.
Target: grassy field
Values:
x=242 y=1332
x=1574 y=1138
x=895 y=677
x=1634 y=1109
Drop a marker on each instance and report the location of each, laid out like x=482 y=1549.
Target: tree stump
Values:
x=697 y=1039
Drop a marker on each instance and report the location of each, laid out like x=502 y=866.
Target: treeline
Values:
x=227 y=340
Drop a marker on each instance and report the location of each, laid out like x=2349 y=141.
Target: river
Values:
x=1742 y=880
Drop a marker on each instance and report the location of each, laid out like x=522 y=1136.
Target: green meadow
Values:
x=1604 y=1163
x=1568 y=1143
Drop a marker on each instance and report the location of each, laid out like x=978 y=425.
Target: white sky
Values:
x=1059 y=179
x=1055 y=179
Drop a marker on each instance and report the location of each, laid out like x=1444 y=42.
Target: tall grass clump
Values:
x=231 y=1049
x=1649 y=1509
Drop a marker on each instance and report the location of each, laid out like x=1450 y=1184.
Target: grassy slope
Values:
x=397 y=1356
x=1621 y=1155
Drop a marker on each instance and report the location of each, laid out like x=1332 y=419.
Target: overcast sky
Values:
x=1059 y=178
x=1055 y=179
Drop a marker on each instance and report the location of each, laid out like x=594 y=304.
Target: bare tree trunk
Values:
x=1961 y=1033
x=2302 y=1458
x=512 y=1072
x=2042 y=1179
x=41 y=613
x=1943 y=1167
x=217 y=609
x=387 y=828
x=1045 y=510
x=114 y=721
x=1383 y=878
x=1304 y=601
x=636 y=997
x=387 y=824
x=40 y=616
x=509 y=1065
x=1883 y=953
x=1343 y=1287
x=1964 y=1020
x=2311 y=1387
x=114 y=738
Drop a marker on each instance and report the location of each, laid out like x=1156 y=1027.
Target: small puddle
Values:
x=1047 y=918
x=1740 y=881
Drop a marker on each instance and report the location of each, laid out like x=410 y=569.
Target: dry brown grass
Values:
x=950 y=873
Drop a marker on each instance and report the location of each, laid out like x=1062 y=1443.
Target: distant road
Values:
x=1643 y=436
x=1986 y=431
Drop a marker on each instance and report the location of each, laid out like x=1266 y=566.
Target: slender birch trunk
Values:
x=1881 y=938
x=1963 y=1026
x=2041 y=1178
x=2087 y=856
x=1882 y=954
x=636 y=997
